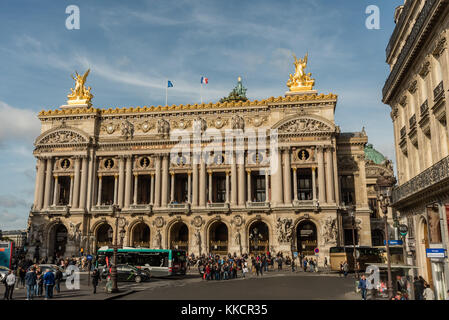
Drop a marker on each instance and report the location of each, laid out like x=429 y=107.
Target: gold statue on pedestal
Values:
x=300 y=81
x=81 y=94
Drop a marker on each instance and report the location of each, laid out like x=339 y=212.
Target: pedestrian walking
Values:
x=419 y=288
x=293 y=265
x=245 y=269
x=49 y=283
x=10 y=281
x=30 y=281
x=428 y=293
x=22 y=276
x=325 y=262
x=58 y=278
x=362 y=286
x=345 y=269
x=95 y=279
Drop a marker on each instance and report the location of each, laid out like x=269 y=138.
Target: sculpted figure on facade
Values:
x=163 y=127
x=75 y=232
x=158 y=240
x=199 y=125
x=237 y=122
x=127 y=129
x=198 y=240
x=285 y=229
x=330 y=230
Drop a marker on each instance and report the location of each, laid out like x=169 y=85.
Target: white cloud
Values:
x=18 y=124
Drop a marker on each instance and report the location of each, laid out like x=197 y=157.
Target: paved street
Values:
x=272 y=285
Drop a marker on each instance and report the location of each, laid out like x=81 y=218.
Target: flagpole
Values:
x=201 y=92
x=166 y=93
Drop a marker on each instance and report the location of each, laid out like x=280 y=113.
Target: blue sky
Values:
x=132 y=47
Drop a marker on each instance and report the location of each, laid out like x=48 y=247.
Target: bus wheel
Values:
x=138 y=279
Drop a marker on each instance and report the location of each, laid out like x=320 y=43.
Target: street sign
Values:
x=89 y=257
x=435 y=253
x=317 y=250
x=403 y=229
x=295 y=254
x=393 y=242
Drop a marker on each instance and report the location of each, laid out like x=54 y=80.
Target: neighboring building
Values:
x=19 y=237
x=417 y=91
x=89 y=159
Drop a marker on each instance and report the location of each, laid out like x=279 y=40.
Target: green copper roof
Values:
x=373 y=155
x=237 y=94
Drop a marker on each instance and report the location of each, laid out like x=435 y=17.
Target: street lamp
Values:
x=116 y=214
x=351 y=212
x=384 y=186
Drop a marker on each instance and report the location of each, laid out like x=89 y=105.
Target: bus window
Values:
x=337 y=250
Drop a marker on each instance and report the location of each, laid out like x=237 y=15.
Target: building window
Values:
x=305 y=184
x=219 y=188
x=372 y=202
x=259 y=188
x=348 y=189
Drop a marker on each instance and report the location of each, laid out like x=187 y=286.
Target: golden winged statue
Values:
x=300 y=81
x=81 y=94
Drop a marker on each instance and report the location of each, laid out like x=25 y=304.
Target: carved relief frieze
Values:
x=304 y=125
x=109 y=127
x=440 y=45
x=63 y=137
x=145 y=126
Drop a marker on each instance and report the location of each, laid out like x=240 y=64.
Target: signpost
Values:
x=435 y=253
x=394 y=242
x=89 y=265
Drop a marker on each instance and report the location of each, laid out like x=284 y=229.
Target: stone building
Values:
x=291 y=193
x=417 y=92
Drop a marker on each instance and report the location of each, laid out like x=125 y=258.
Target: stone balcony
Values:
x=257 y=205
x=431 y=181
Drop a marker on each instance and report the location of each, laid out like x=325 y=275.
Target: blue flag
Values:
x=170 y=84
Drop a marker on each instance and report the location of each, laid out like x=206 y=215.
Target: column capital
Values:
x=189 y=172
x=55 y=176
x=136 y=174
x=172 y=173
x=209 y=172
x=228 y=172
x=248 y=171
x=294 y=169
x=71 y=176
x=116 y=175
x=313 y=168
x=320 y=148
x=100 y=176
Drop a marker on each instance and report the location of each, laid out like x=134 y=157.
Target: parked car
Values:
x=53 y=268
x=126 y=272
x=3 y=272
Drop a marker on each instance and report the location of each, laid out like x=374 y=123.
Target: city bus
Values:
x=6 y=252
x=365 y=256
x=160 y=262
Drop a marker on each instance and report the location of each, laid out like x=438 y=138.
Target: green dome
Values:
x=373 y=155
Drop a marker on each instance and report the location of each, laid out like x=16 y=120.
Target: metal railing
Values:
x=403 y=132
x=250 y=204
x=399 y=24
x=435 y=174
x=424 y=109
x=438 y=91
x=412 y=121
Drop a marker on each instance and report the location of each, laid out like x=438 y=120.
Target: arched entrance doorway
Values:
x=58 y=241
x=179 y=236
x=306 y=238
x=258 y=238
x=218 y=238
x=104 y=235
x=141 y=236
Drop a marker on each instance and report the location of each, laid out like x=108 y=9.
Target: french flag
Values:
x=204 y=80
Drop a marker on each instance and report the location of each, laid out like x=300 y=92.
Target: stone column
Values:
x=157 y=188
x=202 y=184
x=71 y=191
x=233 y=180
x=362 y=174
x=48 y=179
x=136 y=182
x=295 y=185
x=210 y=186
x=152 y=189
x=321 y=181
x=172 y=187
x=55 y=191
x=91 y=181
x=314 y=184
x=287 y=177
x=227 y=186
x=121 y=181
x=128 y=181
x=195 y=185
x=276 y=182
x=241 y=182
x=100 y=185
x=267 y=184
x=76 y=188
x=330 y=176
x=248 y=179
x=39 y=186
x=115 y=188
x=164 y=191
x=84 y=169
x=336 y=180
x=189 y=187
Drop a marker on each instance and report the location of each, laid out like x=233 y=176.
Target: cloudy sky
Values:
x=132 y=47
